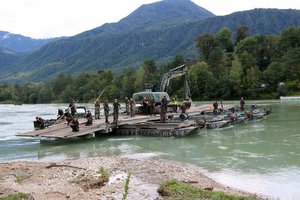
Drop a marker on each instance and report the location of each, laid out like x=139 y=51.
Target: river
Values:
x=257 y=156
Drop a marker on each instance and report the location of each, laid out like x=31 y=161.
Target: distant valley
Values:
x=22 y=44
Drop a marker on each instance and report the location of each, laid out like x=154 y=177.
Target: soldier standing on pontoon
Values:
x=97 y=109
x=116 y=106
x=131 y=106
x=106 y=110
x=127 y=105
x=163 y=109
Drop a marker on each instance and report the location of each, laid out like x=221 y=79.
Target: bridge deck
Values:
x=62 y=130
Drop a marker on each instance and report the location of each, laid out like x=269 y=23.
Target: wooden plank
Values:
x=86 y=130
x=36 y=133
x=62 y=130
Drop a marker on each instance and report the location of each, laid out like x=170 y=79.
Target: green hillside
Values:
x=8 y=57
x=157 y=31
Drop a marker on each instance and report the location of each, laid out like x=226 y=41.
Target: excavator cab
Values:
x=158 y=91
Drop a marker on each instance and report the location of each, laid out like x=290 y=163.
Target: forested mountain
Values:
x=19 y=43
x=161 y=14
x=157 y=31
x=8 y=57
x=259 y=21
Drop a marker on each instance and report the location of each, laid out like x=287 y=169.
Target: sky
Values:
x=54 y=18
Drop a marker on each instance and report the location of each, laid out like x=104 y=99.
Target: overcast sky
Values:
x=53 y=18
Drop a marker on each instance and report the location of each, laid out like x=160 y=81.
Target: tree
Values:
x=290 y=38
x=178 y=60
x=60 y=84
x=44 y=94
x=113 y=92
x=201 y=81
x=241 y=33
x=68 y=94
x=291 y=61
x=127 y=79
x=247 y=61
x=140 y=81
x=260 y=48
x=206 y=43
x=236 y=76
x=150 y=71
x=223 y=39
x=252 y=81
x=223 y=88
x=5 y=93
x=215 y=60
x=274 y=74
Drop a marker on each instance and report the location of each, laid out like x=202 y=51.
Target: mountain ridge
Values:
x=22 y=44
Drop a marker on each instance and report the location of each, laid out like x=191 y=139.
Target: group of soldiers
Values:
x=148 y=106
x=129 y=105
x=70 y=114
x=217 y=109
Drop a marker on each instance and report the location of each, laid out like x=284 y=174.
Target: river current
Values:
x=257 y=156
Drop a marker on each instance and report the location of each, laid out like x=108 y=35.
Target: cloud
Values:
x=52 y=18
x=225 y=7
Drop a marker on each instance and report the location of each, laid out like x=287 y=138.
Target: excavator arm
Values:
x=173 y=73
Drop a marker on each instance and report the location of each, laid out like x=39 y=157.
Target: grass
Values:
x=17 y=196
x=175 y=190
x=88 y=182
x=104 y=174
x=126 y=187
x=19 y=179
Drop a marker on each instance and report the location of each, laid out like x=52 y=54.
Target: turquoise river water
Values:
x=256 y=156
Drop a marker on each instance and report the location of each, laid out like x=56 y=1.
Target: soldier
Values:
x=216 y=108
x=127 y=105
x=222 y=107
x=60 y=114
x=242 y=104
x=68 y=116
x=72 y=108
x=175 y=103
x=131 y=105
x=152 y=105
x=163 y=109
x=74 y=125
x=89 y=118
x=106 y=110
x=183 y=116
x=116 y=106
x=145 y=105
x=164 y=102
x=41 y=122
x=183 y=108
x=97 y=109
x=215 y=105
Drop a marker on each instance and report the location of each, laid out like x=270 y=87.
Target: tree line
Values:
x=255 y=67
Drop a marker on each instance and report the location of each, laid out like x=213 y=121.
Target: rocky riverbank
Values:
x=79 y=178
